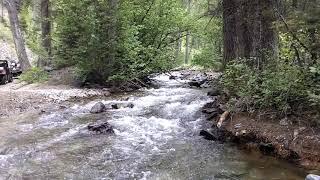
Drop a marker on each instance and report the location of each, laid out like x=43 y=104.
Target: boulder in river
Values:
x=101 y=128
x=313 y=177
x=172 y=77
x=212 y=116
x=130 y=105
x=98 y=108
x=208 y=135
x=122 y=105
x=197 y=82
x=214 y=92
x=210 y=110
x=115 y=106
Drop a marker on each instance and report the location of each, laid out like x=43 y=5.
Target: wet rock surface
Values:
x=122 y=105
x=101 y=128
x=98 y=108
x=157 y=139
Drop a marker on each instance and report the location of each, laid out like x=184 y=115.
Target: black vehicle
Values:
x=5 y=72
x=16 y=69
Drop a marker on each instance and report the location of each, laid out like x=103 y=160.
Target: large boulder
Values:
x=208 y=135
x=313 y=177
x=197 y=82
x=101 y=128
x=214 y=134
x=98 y=108
x=122 y=105
x=214 y=92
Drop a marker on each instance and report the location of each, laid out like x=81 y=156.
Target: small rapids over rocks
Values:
x=157 y=137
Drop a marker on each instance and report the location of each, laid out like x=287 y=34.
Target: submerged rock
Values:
x=197 y=83
x=313 y=177
x=172 y=77
x=130 y=105
x=115 y=106
x=214 y=92
x=101 y=128
x=210 y=110
x=98 y=108
x=123 y=105
x=213 y=134
x=212 y=116
x=208 y=135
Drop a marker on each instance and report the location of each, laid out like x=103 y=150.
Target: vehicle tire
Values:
x=3 y=80
x=10 y=78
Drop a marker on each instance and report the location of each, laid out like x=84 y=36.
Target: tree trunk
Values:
x=17 y=34
x=2 y=11
x=112 y=31
x=45 y=33
x=249 y=32
x=178 y=47
x=229 y=30
x=187 y=53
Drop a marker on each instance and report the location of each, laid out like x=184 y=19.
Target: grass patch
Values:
x=5 y=34
x=34 y=75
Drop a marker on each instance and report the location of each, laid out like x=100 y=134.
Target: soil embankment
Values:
x=292 y=138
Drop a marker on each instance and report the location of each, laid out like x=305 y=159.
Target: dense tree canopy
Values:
x=269 y=49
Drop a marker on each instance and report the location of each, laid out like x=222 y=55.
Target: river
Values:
x=156 y=139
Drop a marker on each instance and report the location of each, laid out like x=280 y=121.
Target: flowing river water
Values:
x=156 y=139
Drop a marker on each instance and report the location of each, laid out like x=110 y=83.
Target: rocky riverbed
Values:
x=152 y=134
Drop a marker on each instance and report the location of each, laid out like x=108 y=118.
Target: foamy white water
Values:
x=156 y=139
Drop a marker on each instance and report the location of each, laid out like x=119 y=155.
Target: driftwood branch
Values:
x=223 y=117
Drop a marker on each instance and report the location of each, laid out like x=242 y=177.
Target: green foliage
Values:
x=32 y=28
x=131 y=41
x=5 y=34
x=279 y=86
x=208 y=58
x=209 y=34
x=34 y=75
x=291 y=81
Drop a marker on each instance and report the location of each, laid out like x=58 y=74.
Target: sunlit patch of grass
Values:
x=5 y=34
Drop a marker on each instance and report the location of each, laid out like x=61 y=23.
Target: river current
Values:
x=156 y=139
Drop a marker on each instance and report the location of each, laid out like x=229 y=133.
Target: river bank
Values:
x=293 y=138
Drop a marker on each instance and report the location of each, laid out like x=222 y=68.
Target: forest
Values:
x=266 y=52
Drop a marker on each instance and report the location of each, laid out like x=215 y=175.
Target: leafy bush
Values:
x=278 y=86
x=208 y=59
x=120 y=44
x=34 y=75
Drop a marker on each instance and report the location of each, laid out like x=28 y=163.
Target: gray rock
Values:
x=172 y=77
x=130 y=105
x=122 y=105
x=210 y=110
x=208 y=135
x=313 y=177
x=115 y=106
x=284 y=122
x=212 y=116
x=214 y=92
x=48 y=68
x=98 y=108
x=101 y=128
